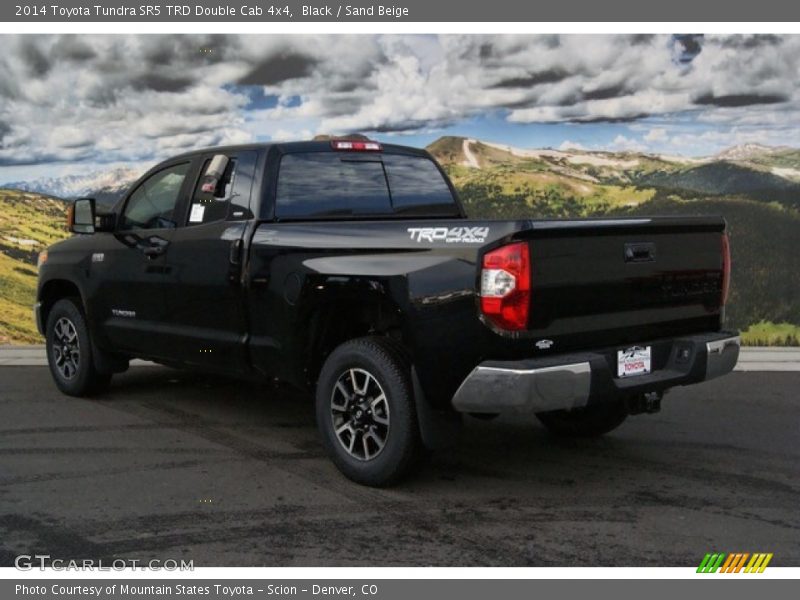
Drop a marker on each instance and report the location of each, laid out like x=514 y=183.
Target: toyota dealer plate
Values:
x=633 y=361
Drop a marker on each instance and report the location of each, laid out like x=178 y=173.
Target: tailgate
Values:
x=625 y=280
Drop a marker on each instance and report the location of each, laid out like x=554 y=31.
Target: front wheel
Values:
x=589 y=421
x=69 y=351
x=365 y=412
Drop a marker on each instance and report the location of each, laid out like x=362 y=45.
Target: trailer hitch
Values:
x=649 y=402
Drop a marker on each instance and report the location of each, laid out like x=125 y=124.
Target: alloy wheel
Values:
x=66 y=348
x=360 y=412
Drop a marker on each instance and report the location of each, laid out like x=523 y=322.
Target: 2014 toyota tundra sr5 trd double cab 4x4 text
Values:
x=349 y=268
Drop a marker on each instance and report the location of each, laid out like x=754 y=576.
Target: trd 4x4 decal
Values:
x=458 y=235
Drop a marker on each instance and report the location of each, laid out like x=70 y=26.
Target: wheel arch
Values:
x=54 y=290
x=336 y=321
x=376 y=314
x=57 y=289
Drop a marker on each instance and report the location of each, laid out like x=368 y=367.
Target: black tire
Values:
x=69 y=351
x=343 y=405
x=591 y=421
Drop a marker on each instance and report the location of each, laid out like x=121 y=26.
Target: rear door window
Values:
x=209 y=204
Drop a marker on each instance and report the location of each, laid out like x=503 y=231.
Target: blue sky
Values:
x=72 y=104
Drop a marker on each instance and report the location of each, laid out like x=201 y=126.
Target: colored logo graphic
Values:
x=734 y=563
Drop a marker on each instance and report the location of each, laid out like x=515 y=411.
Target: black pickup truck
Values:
x=348 y=268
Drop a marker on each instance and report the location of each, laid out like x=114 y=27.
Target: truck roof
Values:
x=299 y=146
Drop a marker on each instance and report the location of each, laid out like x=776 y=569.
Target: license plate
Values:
x=633 y=361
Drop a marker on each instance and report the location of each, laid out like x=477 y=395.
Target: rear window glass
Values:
x=336 y=184
x=417 y=185
x=323 y=184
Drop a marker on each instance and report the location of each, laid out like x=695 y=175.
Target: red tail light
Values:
x=506 y=286
x=726 y=268
x=356 y=145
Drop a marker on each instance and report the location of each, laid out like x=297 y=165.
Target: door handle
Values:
x=153 y=251
x=641 y=252
x=235 y=253
x=235 y=261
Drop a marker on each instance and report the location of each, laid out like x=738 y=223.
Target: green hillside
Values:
x=727 y=178
x=512 y=192
x=772 y=175
x=765 y=285
x=28 y=224
x=785 y=158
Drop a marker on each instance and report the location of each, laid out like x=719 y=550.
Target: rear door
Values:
x=204 y=295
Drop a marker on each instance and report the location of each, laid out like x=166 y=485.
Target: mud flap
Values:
x=438 y=429
x=108 y=363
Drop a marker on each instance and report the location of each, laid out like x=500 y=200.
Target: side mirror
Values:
x=80 y=216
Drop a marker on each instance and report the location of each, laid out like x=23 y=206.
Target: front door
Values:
x=130 y=265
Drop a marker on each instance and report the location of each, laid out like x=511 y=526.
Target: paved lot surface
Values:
x=173 y=465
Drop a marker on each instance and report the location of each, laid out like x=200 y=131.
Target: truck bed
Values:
x=586 y=292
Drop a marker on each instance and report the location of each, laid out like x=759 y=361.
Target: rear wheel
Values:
x=69 y=351
x=590 y=421
x=365 y=412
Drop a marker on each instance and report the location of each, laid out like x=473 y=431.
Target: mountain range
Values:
x=751 y=170
x=103 y=185
x=470 y=152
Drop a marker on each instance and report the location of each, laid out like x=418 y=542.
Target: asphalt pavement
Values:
x=176 y=465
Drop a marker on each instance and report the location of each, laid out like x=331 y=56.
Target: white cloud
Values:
x=686 y=142
x=130 y=98
x=624 y=143
x=284 y=135
x=656 y=134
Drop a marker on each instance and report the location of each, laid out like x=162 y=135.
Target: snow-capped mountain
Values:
x=107 y=183
x=747 y=151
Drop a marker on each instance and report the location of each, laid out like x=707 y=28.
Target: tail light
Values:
x=726 y=268
x=356 y=145
x=506 y=286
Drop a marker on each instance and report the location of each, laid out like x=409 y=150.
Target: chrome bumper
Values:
x=721 y=356
x=501 y=389
x=523 y=386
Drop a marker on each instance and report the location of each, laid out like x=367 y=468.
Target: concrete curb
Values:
x=750 y=359
x=34 y=356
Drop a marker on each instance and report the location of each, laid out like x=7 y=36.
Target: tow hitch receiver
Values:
x=649 y=402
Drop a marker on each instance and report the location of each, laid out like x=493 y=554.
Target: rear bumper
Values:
x=574 y=380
